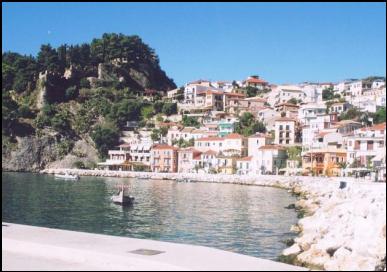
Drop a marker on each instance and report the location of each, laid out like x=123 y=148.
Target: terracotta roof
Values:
x=209 y=92
x=189 y=149
x=233 y=136
x=381 y=126
x=260 y=135
x=255 y=80
x=245 y=158
x=271 y=147
x=285 y=119
x=164 y=146
x=210 y=152
x=257 y=99
x=197 y=157
x=323 y=133
x=188 y=129
x=235 y=94
x=210 y=139
x=287 y=104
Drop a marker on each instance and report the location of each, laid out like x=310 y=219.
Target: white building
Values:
x=309 y=111
x=256 y=141
x=269 y=160
x=285 y=131
x=366 y=144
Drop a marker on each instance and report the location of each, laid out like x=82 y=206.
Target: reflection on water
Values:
x=244 y=219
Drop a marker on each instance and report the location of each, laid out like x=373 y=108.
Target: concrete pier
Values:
x=37 y=248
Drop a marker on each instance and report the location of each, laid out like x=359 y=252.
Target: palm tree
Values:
x=342 y=166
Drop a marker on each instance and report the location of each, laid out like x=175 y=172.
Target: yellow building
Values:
x=227 y=164
x=327 y=161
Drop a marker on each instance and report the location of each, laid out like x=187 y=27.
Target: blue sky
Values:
x=281 y=42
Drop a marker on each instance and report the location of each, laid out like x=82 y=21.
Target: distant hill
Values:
x=64 y=101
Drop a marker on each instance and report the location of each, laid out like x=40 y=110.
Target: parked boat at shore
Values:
x=67 y=176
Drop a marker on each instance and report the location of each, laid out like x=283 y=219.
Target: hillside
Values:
x=67 y=104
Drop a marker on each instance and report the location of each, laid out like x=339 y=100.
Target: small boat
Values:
x=123 y=197
x=184 y=180
x=67 y=176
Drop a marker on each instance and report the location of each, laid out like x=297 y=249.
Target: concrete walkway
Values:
x=36 y=248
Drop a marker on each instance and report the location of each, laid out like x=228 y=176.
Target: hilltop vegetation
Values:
x=76 y=92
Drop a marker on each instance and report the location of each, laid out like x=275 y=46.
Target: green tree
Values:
x=328 y=94
x=84 y=83
x=251 y=91
x=248 y=125
x=105 y=137
x=293 y=101
x=169 y=108
x=71 y=93
x=189 y=121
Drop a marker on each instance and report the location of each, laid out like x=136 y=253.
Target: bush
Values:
x=84 y=83
x=64 y=147
x=79 y=165
x=105 y=137
x=71 y=93
x=169 y=108
x=25 y=112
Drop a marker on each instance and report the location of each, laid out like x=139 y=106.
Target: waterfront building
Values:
x=324 y=161
x=206 y=143
x=186 y=163
x=164 y=158
x=367 y=144
x=243 y=165
x=269 y=159
x=118 y=159
x=234 y=144
x=257 y=140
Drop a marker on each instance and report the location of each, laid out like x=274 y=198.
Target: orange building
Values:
x=325 y=161
x=164 y=158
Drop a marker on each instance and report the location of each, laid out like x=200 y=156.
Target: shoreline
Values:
x=342 y=228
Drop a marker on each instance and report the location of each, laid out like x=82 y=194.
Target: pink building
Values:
x=164 y=158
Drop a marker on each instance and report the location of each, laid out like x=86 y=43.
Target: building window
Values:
x=287 y=127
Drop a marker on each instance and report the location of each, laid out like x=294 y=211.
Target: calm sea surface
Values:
x=244 y=219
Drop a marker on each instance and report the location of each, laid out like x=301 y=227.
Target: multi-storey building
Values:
x=164 y=158
x=285 y=131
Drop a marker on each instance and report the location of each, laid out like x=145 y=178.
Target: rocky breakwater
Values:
x=345 y=229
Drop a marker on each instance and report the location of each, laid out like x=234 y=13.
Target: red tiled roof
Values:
x=197 y=157
x=189 y=149
x=287 y=104
x=235 y=94
x=255 y=80
x=210 y=139
x=271 y=147
x=260 y=135
x=285 y=119
x=245 y=158
x=164 y=146
x=233 y=136
x=210 y=152
x=381 y=126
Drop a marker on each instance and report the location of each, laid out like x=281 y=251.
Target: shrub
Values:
x=84 y=83
x=64 y=147
x=79 y=165
x=25 y=112
x=105 y=137
x=71 y=93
